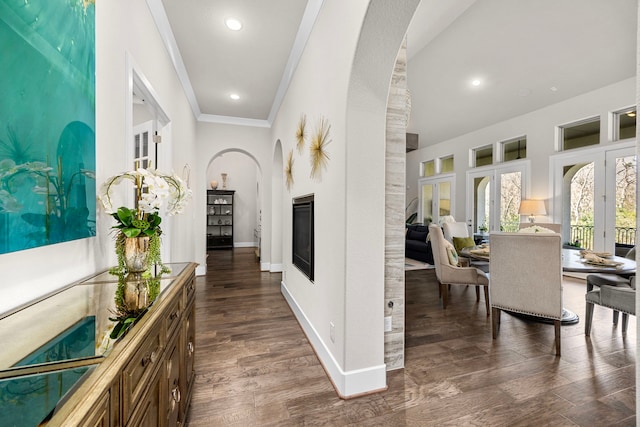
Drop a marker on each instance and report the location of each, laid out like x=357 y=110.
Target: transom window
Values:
x=624 y=124
x=514 y=149
x=483 y=156
x=428 y=168
x=579 y=134
x=446 y=164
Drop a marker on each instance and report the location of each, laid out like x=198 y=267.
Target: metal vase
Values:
x=136 y=254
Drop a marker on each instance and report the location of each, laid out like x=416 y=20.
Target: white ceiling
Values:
x=520 y=49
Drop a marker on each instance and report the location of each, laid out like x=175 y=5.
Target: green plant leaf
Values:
x=131 y=232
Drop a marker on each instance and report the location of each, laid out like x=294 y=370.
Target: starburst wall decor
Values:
x=301 y=133
x=288 y=170
x=319 y=141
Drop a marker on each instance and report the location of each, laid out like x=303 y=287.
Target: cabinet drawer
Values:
x=172 y=318
x=189 y=291
x=136 y=374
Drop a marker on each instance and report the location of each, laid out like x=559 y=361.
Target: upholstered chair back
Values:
x=455 y=229
x=526 y=273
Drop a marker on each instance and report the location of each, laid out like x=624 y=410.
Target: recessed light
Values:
x=234 y=96
x=476 y=82
x=553 y=89
x=233 y=24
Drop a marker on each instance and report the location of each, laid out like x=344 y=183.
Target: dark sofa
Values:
x=416 y=245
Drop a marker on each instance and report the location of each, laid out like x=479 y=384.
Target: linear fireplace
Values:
x=303 y=238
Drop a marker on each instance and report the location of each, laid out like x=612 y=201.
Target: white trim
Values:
x=347 y=384
x=265 y=266
x=201 y=270
x=229 y=120
x=245 y=244
x=276 y=268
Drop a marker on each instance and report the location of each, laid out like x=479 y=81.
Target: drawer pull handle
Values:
x=175 y=394
x=149 y=357
x=174 y=315
x=190 y=348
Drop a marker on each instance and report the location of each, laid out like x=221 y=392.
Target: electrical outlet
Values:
x=332 y=332
x=387 y=324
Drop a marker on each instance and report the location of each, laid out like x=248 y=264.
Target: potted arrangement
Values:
x=138 y=235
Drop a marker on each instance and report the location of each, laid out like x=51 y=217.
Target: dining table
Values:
x=573 y=261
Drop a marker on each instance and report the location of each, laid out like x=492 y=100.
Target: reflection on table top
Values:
x=571 y=261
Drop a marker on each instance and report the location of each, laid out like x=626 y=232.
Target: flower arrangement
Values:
x=152 y=190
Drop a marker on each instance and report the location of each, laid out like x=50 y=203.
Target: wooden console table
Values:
x=145 y=377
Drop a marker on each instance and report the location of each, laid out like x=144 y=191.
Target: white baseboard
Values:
x=265 y=266
x=201 y=270
x=245 y=244
x=347 y=384
x=276 y=268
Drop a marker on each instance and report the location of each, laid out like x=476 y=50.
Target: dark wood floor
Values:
x=254 y=366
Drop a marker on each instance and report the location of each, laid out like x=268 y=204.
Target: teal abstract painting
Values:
x=47 y=122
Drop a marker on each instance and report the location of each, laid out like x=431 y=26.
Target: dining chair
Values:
x=526 y=277
x=458 y=234
x=448 y=271
x=611 y=291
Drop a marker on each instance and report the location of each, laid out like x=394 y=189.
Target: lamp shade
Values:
x=532 y=207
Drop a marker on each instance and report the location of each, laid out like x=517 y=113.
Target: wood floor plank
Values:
x=254 y=366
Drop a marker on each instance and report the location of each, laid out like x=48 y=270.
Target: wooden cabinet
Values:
x=220 y=219
x=146 y=379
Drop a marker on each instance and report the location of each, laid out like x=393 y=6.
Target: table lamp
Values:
x=532 y=208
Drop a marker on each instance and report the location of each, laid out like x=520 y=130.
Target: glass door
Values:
x=493 y=197
x=436 y=199
x=620 y=196
x=595 y=198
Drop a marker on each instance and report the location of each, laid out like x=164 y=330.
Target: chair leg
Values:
x=445 y=295
x=556 y=324
x=616 y=314
x=477 y=293
x=495 y=321
x=625 y=322
x=588 y=314
x=486 y=299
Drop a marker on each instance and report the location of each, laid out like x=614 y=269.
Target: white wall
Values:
x=242 y=177
x=344 y=76
x=539 y=128
x=121 y=28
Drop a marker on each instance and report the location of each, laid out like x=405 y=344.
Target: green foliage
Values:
x=132 y=226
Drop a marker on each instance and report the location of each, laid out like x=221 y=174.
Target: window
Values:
x=428 y=168
x=624 y=124
x=514 y=149
x=446 y=164
x=580 y=134
x=483 y=156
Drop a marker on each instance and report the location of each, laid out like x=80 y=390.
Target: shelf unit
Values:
x=220 y=219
